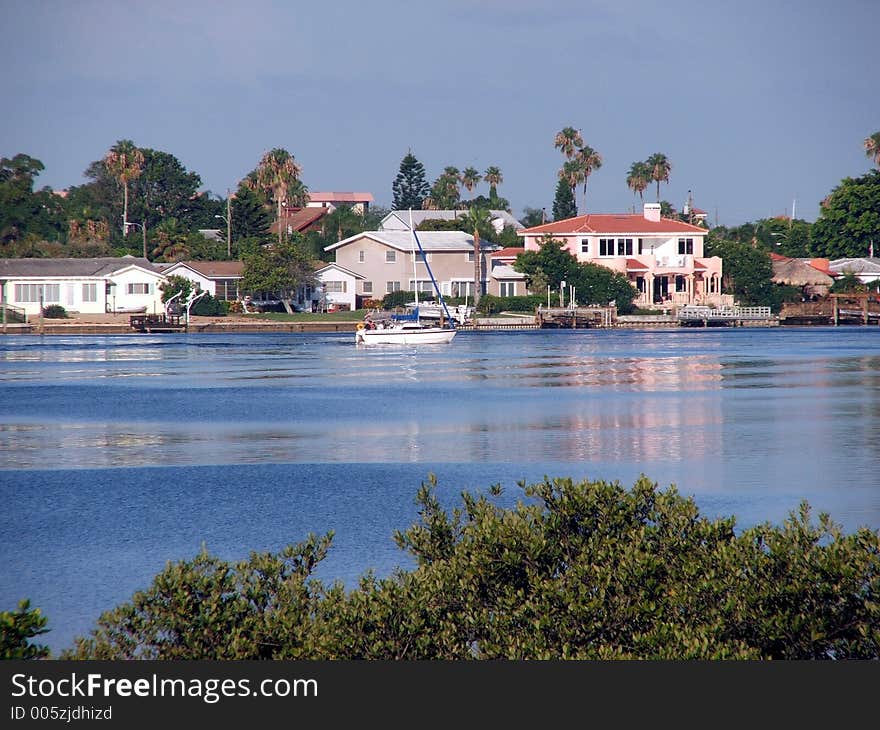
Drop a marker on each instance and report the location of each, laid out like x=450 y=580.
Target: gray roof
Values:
x=58 y=268
x=430 y=240
x=855 y=266
x=398 y=220
x=506 y=272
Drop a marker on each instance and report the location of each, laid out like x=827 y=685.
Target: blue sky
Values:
x=758 y=105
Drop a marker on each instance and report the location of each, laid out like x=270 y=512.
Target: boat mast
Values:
x=449 y=317
x=412 y=239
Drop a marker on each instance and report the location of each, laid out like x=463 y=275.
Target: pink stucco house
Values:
x=662 y=257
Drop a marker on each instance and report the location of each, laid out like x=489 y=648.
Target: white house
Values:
x=338 y=286
x=88 y=286
x=221 y=279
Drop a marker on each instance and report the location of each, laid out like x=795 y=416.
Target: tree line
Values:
x=145 y=202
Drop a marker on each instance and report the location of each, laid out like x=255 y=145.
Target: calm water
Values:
x=121 y=453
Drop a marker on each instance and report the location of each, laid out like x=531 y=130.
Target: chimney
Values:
x=652 y=212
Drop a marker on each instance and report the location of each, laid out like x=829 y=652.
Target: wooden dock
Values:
x=575 y=317
x=156 y=323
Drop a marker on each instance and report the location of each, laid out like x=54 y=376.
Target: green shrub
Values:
x=398 y=299
x=17 y=628
x=55 y=311
x=575 y=570
x=490 y=304
x=208 y=306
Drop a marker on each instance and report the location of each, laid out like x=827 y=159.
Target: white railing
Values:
x=695 y=312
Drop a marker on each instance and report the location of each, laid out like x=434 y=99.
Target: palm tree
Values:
x=279 y=172
x=872 y=147
x=494 y=178
x=589 y=160
x=572 y=172
x=568 y=140
x=479 y=221
x=470 y=178
x=660 y=167
x=638 y=178
x=125 y=162
x=452 y=178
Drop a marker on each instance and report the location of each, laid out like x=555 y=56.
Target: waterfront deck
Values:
x=156 y=323
x=575 y=317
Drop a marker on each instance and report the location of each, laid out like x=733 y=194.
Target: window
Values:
x=90 y=293
x=417 y=257
x=139 y=288
x=606 y=247
x=335 y=287
x=424 y=285
x=226 y=289
x=686 y=245
x=368 y=287
x=508 y=288
x=390 y=257
x=469 y=256
x=679 y=283
x=585 y=245
x=640 y=246
x=624 y=247
x=37 y=292
x=392 y=286
x=362 y=256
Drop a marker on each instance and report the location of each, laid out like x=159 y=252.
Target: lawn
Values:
x=354 y=316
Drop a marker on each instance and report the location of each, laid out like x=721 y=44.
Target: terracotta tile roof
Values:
x=598 y=223
x=300 y=219
x=635 y=265
x=698 y=266
x=508 y=253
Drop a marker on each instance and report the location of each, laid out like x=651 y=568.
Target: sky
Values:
x=762 y=107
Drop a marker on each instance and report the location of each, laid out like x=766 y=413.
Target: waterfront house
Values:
x=504 y=280
x=221 y=279
x=338 y=287
x=384 y=262
x=88 y=286
x=662 y=258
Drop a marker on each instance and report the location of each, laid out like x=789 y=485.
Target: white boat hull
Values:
x=405 y=336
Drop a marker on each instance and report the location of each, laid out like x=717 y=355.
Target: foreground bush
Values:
x=17 y=628
x=55 y=311
x=584 y=570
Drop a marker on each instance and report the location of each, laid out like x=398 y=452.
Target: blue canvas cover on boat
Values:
x=411 y=316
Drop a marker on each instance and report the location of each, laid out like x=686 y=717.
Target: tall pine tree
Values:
x=563 y=204
x=410 y=187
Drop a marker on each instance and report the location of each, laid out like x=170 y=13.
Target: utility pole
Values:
x=228 y=224
x=144 y=229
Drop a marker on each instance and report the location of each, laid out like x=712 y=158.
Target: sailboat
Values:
x=409 y=329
